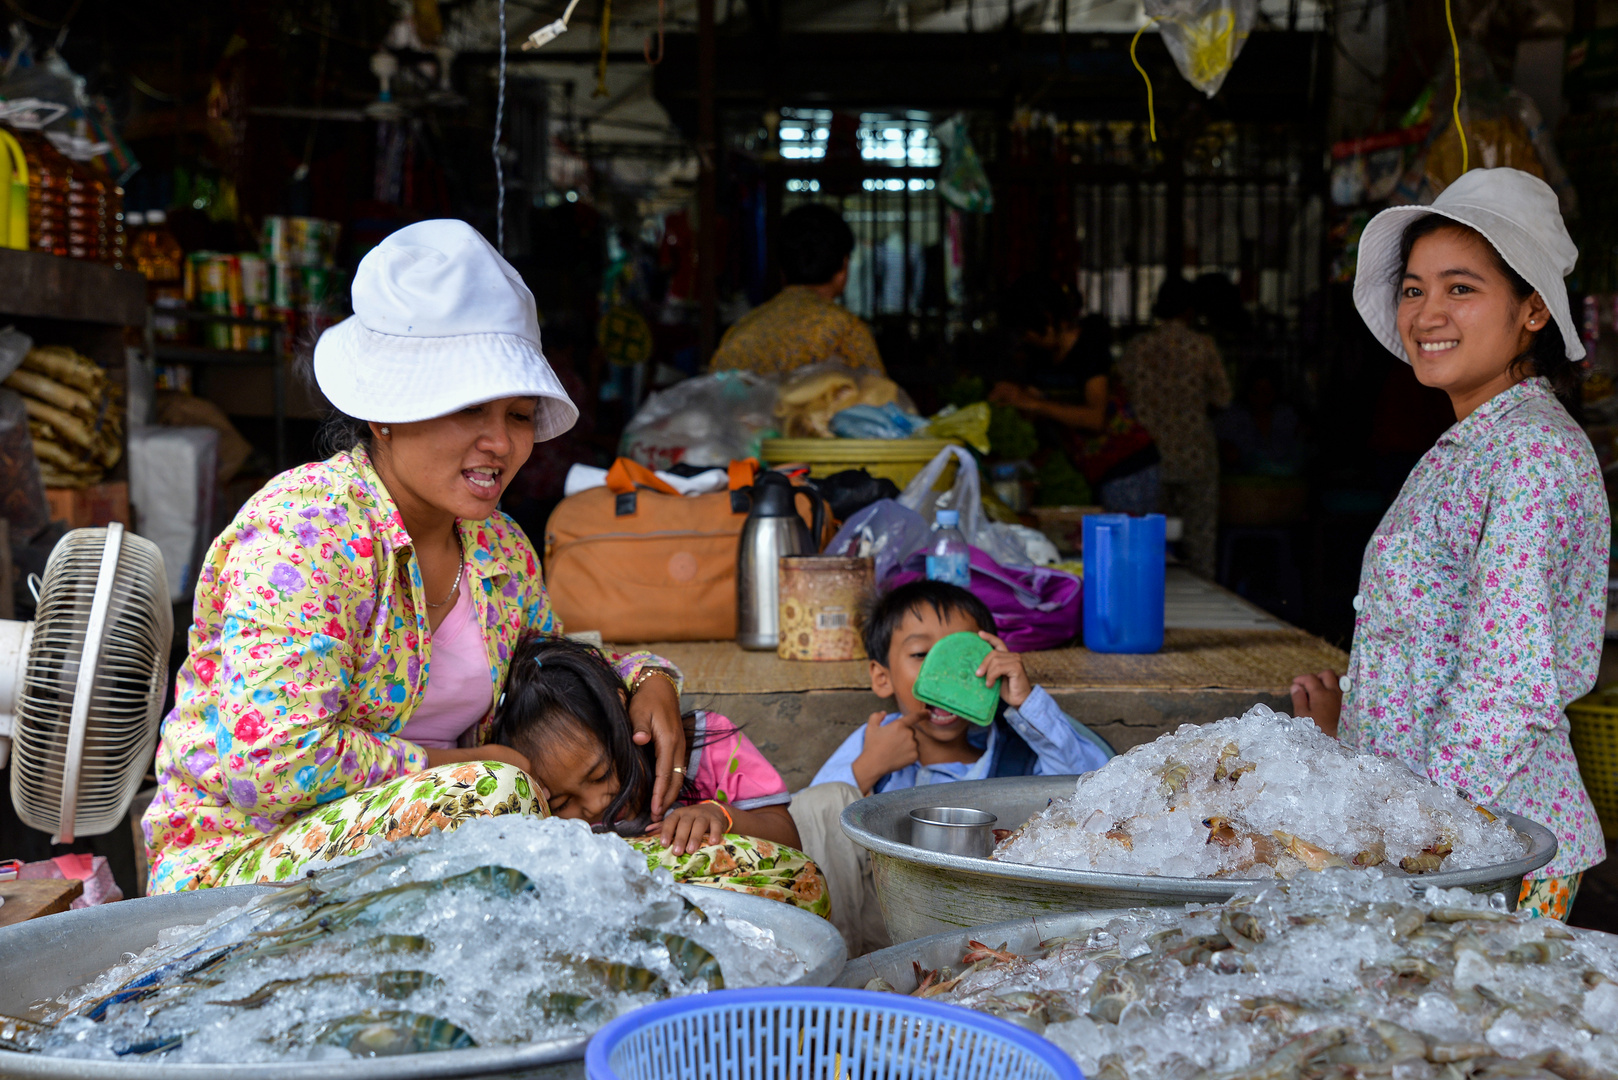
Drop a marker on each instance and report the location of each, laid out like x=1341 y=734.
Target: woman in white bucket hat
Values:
x=305 y=723
x=1482 y=600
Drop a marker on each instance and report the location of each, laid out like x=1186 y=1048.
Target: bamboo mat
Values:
x=1213 y=640
x=1262 y=661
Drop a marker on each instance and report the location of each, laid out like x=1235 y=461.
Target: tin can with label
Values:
x=277 y=245
x=823 y=599
x=286 y=285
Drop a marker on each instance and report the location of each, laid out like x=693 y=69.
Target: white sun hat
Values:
x=440 y=322
x=1515 y=211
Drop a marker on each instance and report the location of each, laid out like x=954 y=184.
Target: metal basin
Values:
x=927 y=892
x=45 y=957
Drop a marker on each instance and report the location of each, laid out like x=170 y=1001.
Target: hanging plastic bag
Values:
x=965 y=496
x=962 y=182
x=1204 y=36
x=707 y=421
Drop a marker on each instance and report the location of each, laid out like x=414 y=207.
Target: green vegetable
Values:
x=966 y=390
x=1011 y=436
x=1060 y=484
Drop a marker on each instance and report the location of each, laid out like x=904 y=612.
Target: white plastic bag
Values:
x=707 y=421
x=1204 y=36
x=965 y=496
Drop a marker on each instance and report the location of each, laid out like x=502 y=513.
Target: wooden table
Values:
x=1220 y=656
x=37 y=897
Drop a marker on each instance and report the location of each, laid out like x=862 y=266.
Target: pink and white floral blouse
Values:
x=1482 y=605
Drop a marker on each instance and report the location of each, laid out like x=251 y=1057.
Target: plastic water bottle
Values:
x=948 y=557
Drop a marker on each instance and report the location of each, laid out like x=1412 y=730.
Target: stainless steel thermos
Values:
x=772 y=529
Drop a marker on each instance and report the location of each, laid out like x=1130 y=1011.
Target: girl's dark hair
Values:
x=1548 y=353
x=556 y=686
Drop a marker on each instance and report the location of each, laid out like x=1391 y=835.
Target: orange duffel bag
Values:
x=638 y=561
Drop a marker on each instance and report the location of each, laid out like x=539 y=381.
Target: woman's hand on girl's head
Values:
x=654 y=710
x=1320 y=698
x=688 y=828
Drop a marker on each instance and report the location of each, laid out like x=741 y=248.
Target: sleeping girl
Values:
x=564 y=709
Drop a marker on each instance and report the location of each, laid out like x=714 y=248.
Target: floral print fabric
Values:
x=748 y=865
x=442 y=798
x=309 y=650
x=1481 y=611
x=793 y=329
x=1548 y=898
x=450 y=795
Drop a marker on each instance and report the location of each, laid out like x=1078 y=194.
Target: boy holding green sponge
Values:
x=930 y=744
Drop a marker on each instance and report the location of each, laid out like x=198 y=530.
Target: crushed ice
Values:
x=509 y=930
x=1258 y=796
x=1337 y=974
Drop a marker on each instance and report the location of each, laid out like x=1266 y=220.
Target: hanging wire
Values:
x=499 y=124
x=1455 y=106
x=646 y=48
x=1151 y=111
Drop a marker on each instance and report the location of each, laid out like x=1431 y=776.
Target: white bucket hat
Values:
x=1515 y=211
x=440 y=322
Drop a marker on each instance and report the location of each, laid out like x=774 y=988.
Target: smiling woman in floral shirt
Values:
x=306 y=724
x=1483 y=594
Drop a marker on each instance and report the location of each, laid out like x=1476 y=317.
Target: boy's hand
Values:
x=1005 y=665
x=687 y=828
x=888 y=748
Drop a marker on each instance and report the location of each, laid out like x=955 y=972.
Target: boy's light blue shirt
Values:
x=1049 y=732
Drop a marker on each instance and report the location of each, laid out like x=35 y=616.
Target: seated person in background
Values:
x=564 y=710
x=1261 y=435
x=922 y=745
x=803 y=324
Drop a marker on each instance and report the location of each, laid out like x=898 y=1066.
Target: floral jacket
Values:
x=1481 y=608
x=309 y=649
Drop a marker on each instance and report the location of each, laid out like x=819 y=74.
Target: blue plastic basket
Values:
x=812 y=1033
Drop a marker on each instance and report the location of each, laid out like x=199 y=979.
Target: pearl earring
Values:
x=386 y=430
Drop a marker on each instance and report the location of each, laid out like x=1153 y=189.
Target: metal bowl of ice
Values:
x=49 y=956
x=926 y=892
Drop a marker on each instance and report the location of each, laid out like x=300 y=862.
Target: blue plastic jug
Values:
x=1123 y=583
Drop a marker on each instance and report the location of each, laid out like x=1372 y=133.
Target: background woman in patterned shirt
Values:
x=1483 y=592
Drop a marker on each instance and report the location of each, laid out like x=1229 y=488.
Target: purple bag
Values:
x=1034 y=607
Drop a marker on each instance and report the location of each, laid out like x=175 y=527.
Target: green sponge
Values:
x=948 y=679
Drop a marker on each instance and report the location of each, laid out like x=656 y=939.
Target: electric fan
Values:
x=81 y=687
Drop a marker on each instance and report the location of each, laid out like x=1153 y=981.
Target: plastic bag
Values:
x=1204 y=36
x=886 y=532
x=1034 y=607
x=706 y=421
x=966 y=497
x=14 y=347
x=970 y=425
x=963 y=182
x=22 y=492
x=876 y=422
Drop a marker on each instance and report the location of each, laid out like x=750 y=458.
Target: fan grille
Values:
x=126 y=696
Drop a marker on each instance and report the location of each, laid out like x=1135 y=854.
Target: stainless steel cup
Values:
x=953 y=830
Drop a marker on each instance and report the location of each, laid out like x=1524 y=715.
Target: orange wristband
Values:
x=730 y=822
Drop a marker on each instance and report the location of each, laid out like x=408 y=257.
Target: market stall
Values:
x=1220 y=656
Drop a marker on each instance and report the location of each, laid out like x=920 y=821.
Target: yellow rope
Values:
x=1151 y=113
x=1455 y=107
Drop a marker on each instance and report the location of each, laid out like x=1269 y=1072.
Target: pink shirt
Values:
x=458 y=686
x=728 y=768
